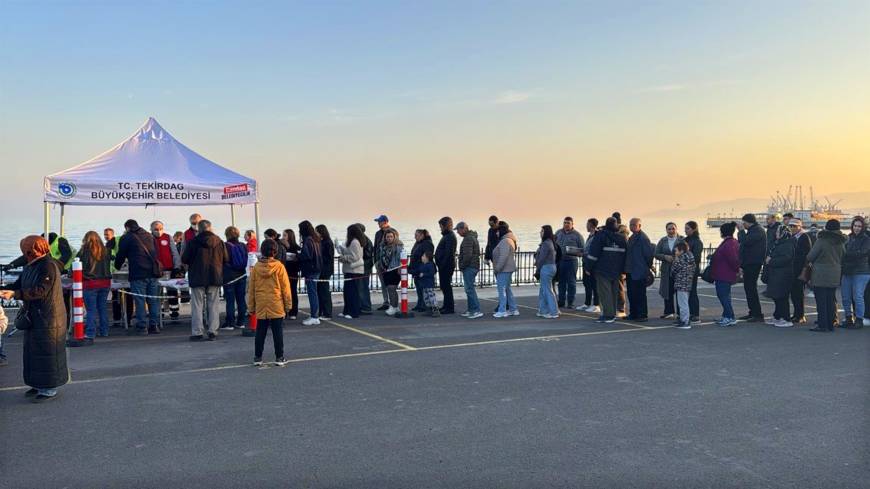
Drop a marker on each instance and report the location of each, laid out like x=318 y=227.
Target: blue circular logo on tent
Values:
x=67 y=190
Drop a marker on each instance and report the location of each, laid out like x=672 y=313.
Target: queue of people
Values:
x=617 y=264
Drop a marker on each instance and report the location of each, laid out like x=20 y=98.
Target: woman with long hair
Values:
x=327 y=269
x=96 y=283
x=780 y=275
x=43 y=320
x=310 y=266
x=504 y=265
x=422 y=245
x=389 y=258
x=856 y=274
x=288 y=243
x=696 y=246
x=545 y=266
x=353 y=268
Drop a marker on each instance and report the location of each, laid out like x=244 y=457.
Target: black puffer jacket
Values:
x=856 y=261
x=45 y=340
x=205 y=256
x=445 y=253
x=781 y=268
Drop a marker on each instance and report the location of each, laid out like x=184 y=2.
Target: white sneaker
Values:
x=326 y=318
x=292 y=318
x=501 y=314
x=227 y=328
x=866 y=322
x=465 y=314
x=782 y=323
x=392 y=311
x=311 y=322
x=551 y=316
x=771 y=321
x=593 y=309
x=475 y=315
x=540 y=314
x=514 y=313
x=581 y=308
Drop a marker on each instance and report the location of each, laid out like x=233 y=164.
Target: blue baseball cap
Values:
x=382 y=218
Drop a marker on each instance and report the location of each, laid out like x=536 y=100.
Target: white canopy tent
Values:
x=150 y=168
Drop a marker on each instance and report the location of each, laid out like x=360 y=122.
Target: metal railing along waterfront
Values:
x=525 y=273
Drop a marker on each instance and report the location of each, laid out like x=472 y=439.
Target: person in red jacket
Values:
x=170 y=260
x=190 y=233
x=725 y=267
x=251 y=241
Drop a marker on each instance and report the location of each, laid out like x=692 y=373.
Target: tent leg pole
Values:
x=257 y=219
x=46 y=218
x=233 y=215
x=62 y=219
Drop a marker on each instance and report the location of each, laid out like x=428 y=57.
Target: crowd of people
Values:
x=617 y=264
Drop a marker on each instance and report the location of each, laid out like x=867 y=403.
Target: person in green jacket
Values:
x=826 y=259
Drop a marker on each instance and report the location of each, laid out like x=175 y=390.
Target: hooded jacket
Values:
x=469 y=251
x=503 y=260
x=269 y=290
x=205 y=256
x=826 y=257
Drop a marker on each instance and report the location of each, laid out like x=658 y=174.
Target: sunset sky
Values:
x=345 y=109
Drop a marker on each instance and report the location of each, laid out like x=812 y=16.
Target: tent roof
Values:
x=151 y=155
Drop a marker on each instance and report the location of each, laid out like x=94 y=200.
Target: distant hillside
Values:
x=851 y=203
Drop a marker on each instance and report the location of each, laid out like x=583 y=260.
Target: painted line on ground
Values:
x=349 y=355
x=366 y=333
x=593 y=317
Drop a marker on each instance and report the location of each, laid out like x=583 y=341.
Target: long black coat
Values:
x=781 y=267
x=417 y=252
x=39 y=287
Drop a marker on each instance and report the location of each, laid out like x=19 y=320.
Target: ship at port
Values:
x=811 y=212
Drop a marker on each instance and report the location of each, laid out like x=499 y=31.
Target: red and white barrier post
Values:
x=404 y=313
x=78 y=307
x=251 y=330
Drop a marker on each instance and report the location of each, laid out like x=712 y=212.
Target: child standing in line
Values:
x=683 y=269
x=269 y=298
x=425 y=280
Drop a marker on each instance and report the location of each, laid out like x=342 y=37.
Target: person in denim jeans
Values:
x=97 y=280
x=568 y=265
x=504 y=265
x=469 y=265
x=856 y=275
x=545 y=266
x=725 y=268
x=137 y=248
x=310 y=264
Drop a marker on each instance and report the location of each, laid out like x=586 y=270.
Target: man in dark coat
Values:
x=638 y=262
x=803 y=245
x=752 y=251
x=205 y=256
x=137 y=248
x=491 y=238
x=607 y=262
x=445 y=260
x=44 y=354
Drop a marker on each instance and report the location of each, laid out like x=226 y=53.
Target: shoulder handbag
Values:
x=707 y=274
x=22 y=319
x=156 y=268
